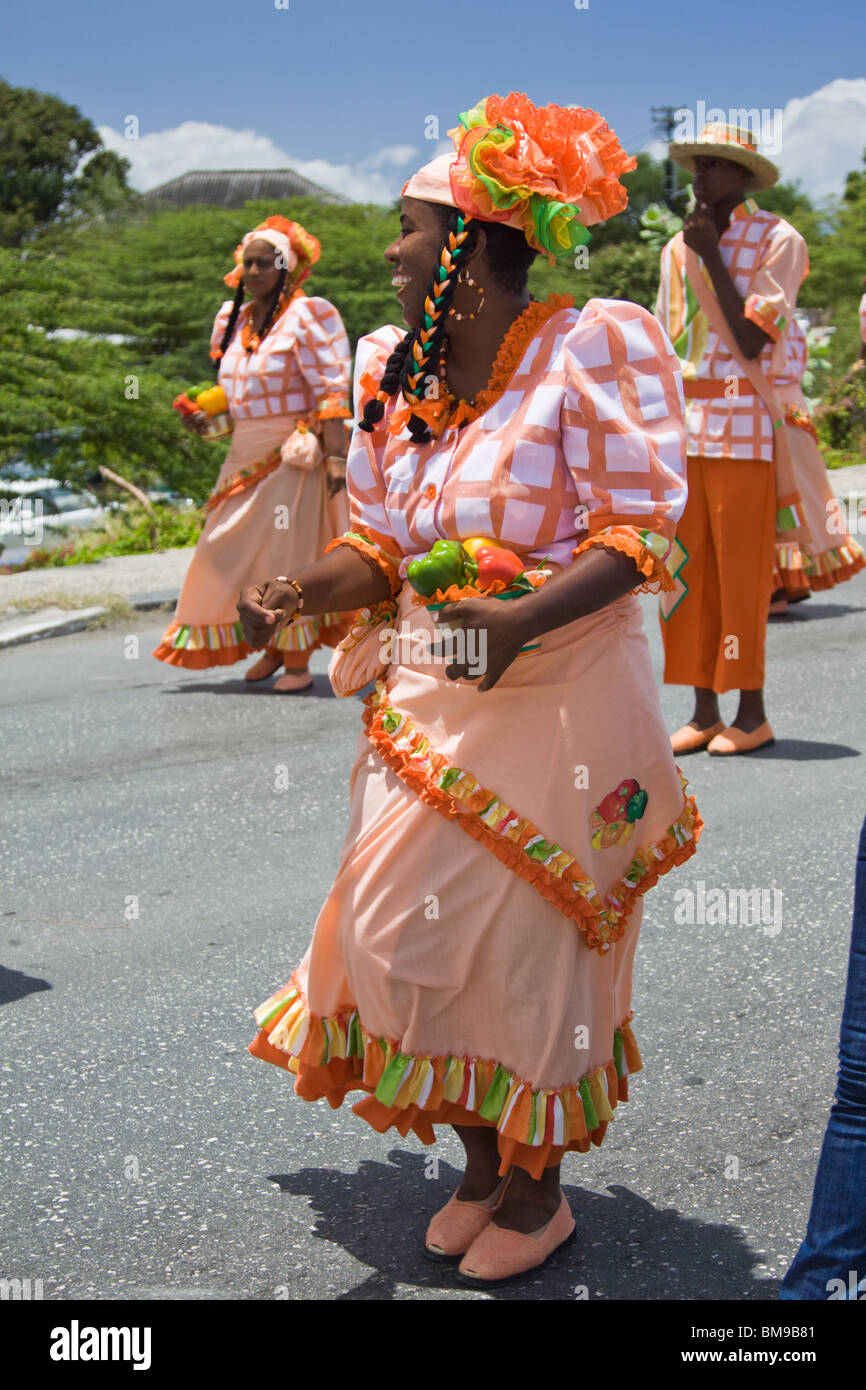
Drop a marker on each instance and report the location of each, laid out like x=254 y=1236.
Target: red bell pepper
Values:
x=496 y=563
x=183 y=405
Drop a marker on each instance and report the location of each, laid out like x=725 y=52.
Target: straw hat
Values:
x=727 y=142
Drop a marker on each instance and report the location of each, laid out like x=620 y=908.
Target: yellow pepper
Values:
x=474 y=542
x=213 y=401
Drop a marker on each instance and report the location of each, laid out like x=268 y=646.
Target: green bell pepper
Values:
x=441 y=566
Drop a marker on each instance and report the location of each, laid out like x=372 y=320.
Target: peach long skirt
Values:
x=265 y=518
x=830 y=555
x=472 y=963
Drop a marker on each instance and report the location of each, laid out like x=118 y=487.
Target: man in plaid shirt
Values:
x=728 y=289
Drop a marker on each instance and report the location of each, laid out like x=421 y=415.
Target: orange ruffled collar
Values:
x=445 y=412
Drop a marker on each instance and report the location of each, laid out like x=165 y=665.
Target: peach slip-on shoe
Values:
x=499 y=1255
x=293 y=682
x=454 y=1228
x=264 y=667
x=732 y=740
x=689 y=740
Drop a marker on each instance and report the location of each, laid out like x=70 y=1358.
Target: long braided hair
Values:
x=240 y=293
x=416 y=356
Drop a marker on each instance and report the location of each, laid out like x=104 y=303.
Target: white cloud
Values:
x=823 y=137
x=166 y=154
x=657 y=148
x=395 y=155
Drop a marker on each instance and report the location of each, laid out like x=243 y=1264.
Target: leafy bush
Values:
x=841 y=420
x=127 y=532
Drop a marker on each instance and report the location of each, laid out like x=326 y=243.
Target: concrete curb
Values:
x=16 y=631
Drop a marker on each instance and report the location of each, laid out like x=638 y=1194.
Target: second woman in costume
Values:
x=280 y=498
x=826 y=555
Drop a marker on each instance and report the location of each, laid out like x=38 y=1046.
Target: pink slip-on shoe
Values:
x=733 y=741
x=691 y=740
x=454 y=1228
x=263 y=668
x=292 y=682
x=499 y=1255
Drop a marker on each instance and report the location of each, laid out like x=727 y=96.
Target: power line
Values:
x=638 y=140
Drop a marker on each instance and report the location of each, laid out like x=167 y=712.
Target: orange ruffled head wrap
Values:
x=551 y=171
x=298 y=249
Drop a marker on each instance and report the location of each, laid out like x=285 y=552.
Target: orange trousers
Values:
x=714 y=626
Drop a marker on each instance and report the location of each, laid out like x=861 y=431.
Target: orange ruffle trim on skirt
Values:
x=222 y=644
x=536 y=1127
x=796 y=572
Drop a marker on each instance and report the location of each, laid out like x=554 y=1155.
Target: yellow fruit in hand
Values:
x=212 y=402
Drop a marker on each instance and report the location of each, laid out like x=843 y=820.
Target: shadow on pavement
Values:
x=800 y=750
x=319 y=690
x=14 y=984
x=805 y=613
x=626 y=1248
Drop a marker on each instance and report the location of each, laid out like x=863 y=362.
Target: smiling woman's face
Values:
x=414 y=256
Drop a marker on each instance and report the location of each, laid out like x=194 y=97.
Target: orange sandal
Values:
x=498 y=1256
x=458 y=1224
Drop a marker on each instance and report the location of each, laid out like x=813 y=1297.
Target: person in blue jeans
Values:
x=831 y=1262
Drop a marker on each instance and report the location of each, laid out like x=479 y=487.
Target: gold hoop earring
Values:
x=464 y=278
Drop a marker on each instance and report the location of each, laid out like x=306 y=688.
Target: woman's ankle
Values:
x=480 y=1185
x=482 y=1176
x=529 y=1203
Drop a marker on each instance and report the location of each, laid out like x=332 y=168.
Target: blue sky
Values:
x=345 y=87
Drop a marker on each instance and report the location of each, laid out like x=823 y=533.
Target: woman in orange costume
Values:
x=472 y=963
x=284 y=365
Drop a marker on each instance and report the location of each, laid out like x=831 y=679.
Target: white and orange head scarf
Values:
x=297 y=251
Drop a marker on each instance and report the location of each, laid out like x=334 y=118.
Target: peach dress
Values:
x=266 y=517
x=826 y=555
x=472 y=963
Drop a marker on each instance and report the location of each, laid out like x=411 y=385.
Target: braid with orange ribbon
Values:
x=416 y=356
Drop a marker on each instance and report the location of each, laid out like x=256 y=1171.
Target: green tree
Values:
x=101 y=190
x=838 y=265
x=43 y=142
x=70 y=405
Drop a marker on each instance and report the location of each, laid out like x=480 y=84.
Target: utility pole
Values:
x=664 y=120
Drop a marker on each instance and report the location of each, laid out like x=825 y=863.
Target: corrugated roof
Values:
x=232 y=188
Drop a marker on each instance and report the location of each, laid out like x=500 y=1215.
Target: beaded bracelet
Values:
x=293 y=583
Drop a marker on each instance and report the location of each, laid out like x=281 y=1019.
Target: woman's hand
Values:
x=496 y=638
x=196 y=423
x=265 y=609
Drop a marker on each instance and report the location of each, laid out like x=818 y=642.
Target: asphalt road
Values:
x=146 y=1155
